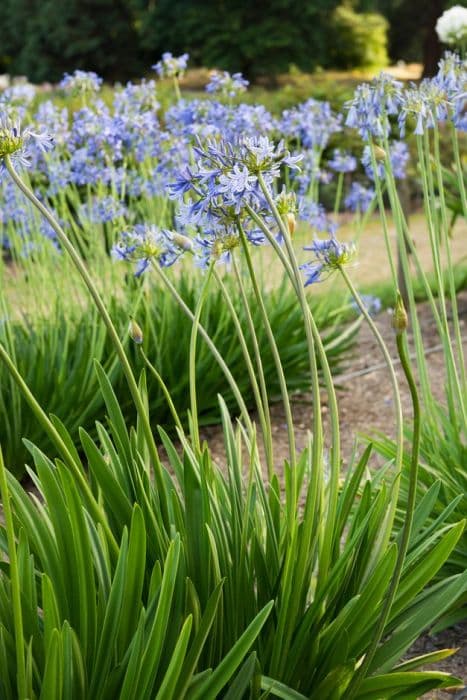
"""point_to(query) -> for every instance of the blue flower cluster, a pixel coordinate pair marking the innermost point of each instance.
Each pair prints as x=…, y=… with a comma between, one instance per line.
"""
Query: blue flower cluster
x=81, y=82
x=202, y=165
x=227, y=84
x=439, y=99
x=329, y=255
x=144, y=244
x=171, y=66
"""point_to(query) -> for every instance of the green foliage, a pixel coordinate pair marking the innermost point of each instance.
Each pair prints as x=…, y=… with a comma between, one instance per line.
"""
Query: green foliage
x=55, y=353
x=44, y=38
x=149, y=613
x=442, y=483
x=360, y=39
x=121, y=40
x=269, y=36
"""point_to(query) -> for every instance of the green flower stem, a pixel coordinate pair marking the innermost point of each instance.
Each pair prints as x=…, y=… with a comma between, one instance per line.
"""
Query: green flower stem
x=312, y=335
x=397, y=405
x=176, y=84
x=294, y=273
x=194, y=424
x=314, y=339
x=382, y=211
x=276, y=357
x=164, y=389
x=408, y=520
x=340, y=185
x=56, y=439
x=403, y=238
x=429, y=203
x=277, y=248
x=15, y=583
x=217, y=356
x=132, y=384
x=459, y=169
x=278, y=656
x=260, y=399
x=447, y=246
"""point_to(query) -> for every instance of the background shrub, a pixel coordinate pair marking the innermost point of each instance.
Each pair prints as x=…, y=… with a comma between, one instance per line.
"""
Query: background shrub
x=360, y=39
x=121, y=40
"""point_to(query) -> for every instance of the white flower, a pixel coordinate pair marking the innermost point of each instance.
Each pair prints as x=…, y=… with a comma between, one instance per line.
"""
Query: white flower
x=451, y=27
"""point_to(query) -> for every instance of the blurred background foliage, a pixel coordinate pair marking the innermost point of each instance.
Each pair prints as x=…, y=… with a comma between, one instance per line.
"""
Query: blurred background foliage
x=120, y=39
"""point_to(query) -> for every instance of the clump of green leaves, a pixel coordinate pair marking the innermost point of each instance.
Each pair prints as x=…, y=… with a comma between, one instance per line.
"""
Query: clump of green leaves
x=55, y=350
x=234, y=602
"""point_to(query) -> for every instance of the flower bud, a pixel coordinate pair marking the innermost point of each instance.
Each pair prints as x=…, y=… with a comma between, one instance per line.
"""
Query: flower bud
x=291, y=223
x=136, y=334
x=182, y=241
x=400, y=320
x=380, y=153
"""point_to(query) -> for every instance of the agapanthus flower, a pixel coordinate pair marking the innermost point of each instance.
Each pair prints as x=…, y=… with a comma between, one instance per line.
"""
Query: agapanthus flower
x=136, y=98
x=227, y=84
x=315, y=214
x=261, y=155
x=414, y=107
x=359, y=197
x=342, y=162
x=225, y=178
x=19, y=94
x=217, y=247
x=452, y=73
x=399, y=156
x=20, y=144
x=102, y=210
x=371, y=303
x=451, y=27
x=372, y=104
x=330, y=254
x=81, y=82
x=144, y=244
x=57, y=120
x=171, y=66
x=311, y=123
x=287, y=207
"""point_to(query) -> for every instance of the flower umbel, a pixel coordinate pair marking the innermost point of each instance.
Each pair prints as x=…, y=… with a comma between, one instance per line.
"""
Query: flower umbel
x=143, y=244
x=81, y=82
x=330, y=255
x=227, y=84
x=20, y=144
x=171, y=66
x=451, y=27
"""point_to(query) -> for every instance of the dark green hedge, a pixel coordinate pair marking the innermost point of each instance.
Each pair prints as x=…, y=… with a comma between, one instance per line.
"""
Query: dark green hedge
x=120, y=39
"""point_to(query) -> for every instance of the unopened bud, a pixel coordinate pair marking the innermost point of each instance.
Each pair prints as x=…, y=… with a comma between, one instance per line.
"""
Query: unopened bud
x=136, y=334
x=291, y=223
x=400, y=320
x=182, y=241
x=380, y=153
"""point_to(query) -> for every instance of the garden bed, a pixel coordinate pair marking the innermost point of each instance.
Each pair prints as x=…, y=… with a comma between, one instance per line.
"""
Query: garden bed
x=366, y=407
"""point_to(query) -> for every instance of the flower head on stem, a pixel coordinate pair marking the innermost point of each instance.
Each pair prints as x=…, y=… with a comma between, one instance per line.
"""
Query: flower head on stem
x=330, y=255
x=21, y=144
